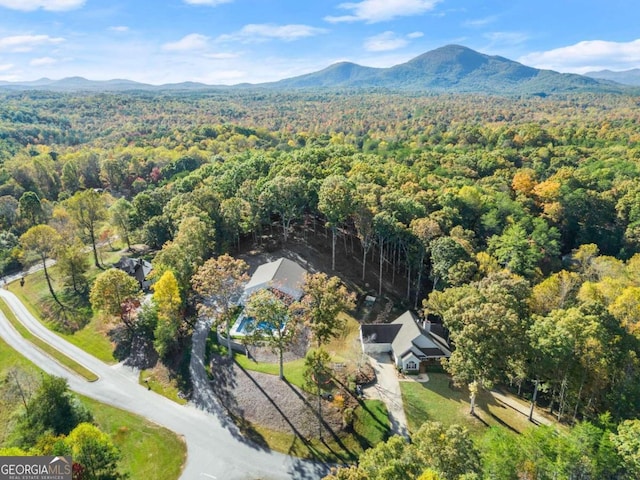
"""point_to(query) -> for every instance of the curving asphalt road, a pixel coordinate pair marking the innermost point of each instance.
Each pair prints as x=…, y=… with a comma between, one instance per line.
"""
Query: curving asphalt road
x=215, y=451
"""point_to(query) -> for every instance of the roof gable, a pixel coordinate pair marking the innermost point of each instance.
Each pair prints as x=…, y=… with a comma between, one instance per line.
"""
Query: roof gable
x=283, y=274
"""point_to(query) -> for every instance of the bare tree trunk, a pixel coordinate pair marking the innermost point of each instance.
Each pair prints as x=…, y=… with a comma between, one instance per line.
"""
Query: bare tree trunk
x=333, y=248
x=381, y=259
x=364, y=262
x=419, y=285
x=48, y=278
x=408, y=282
x=227, y=326
x=533, y=399
x=563, y=388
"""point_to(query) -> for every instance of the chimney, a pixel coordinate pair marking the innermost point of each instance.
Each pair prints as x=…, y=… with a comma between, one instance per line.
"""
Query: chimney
x=426, y=326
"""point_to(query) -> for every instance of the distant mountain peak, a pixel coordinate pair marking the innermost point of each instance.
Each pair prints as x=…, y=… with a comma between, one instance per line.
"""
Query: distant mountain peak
x=450, y=68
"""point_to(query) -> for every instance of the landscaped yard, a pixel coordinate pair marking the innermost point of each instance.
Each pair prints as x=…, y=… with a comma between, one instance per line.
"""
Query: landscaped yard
x=281, y=416
x=436, y=401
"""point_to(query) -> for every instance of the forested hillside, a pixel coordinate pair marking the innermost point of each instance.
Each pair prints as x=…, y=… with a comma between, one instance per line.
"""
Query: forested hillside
x=516, y=220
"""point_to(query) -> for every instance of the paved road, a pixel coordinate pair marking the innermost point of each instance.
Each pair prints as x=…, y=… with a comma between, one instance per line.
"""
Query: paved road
x=214, y=451
x=387, y=389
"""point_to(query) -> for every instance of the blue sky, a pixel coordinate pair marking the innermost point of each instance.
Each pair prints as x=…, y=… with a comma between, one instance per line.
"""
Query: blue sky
x=234, y=41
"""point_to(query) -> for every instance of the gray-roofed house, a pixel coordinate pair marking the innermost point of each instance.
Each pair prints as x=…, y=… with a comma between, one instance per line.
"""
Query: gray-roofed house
x=138, y=268
x=411, y=344
x=283, y=275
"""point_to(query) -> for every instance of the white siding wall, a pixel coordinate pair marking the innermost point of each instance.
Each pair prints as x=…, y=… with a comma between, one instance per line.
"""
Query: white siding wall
x=376, y=347
x=410, y=358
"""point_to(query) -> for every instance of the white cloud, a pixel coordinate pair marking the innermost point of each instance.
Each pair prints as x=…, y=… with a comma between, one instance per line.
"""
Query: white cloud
x=586, y=56
x=384, y=42
x=26, y=43
x=372, y=11
x=5, y=67
x=211, y=3
x=267, y=31
x=51, y=5
x=42, y=61
x=415, y=35
x=193, y=41
x=221, y=55
x=506, y=38
x=480, y=22
x=119, y=28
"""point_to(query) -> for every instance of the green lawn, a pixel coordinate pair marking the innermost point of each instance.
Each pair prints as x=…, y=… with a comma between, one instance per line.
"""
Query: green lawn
x=35, y=293
x=162, y=386
x=148, y=451
x=292, y=370
x=343, y=349
x=435, y=401
x=45, y=347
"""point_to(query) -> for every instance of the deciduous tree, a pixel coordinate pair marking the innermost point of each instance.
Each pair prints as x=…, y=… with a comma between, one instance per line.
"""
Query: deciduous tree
x=324, y=299
x=271, y=322
x=219, y=282
x=111, y=290
x=42, y=240
x=87, y=208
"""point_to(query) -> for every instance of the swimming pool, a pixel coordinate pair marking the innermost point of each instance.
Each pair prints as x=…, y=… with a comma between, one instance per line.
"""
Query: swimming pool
x=243, y=323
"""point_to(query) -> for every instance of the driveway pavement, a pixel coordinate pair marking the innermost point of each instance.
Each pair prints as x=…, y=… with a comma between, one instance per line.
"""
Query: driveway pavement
x=214, y=451
x=387, y=389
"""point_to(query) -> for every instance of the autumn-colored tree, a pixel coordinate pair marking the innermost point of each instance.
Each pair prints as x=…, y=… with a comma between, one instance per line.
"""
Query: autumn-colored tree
x=42, y=240
x=324, y=299
x=219, y=282
x=95, y=451
x=87, y=208
x=166, y=296
x=110, y=290
x=271, y=322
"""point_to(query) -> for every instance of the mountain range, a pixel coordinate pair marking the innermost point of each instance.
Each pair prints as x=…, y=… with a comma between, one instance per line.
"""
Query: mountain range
x=626, y=77
x=452, y=68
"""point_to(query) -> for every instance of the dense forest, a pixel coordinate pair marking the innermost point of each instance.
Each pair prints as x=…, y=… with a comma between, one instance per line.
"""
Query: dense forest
x=513, y=220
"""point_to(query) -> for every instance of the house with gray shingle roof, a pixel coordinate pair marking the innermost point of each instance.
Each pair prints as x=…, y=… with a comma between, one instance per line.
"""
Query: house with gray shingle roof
x=283, y=275
x=413, y=345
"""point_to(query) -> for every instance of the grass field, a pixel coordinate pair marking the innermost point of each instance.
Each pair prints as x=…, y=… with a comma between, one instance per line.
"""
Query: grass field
x=45, y=347
x=157, y=379
x=436, y=401
x=148, y=451
x=35, y=293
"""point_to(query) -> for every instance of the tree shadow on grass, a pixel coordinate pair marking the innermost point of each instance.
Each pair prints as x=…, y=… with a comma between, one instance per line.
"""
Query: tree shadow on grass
x=348, y=453
x=216, y=397
x=362, y=404
x=322, y=461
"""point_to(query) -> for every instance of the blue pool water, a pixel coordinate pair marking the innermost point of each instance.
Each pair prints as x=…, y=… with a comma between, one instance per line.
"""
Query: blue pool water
x=246, y=321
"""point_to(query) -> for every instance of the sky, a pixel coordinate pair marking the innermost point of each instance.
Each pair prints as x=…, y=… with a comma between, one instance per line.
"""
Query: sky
x=237, y=41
